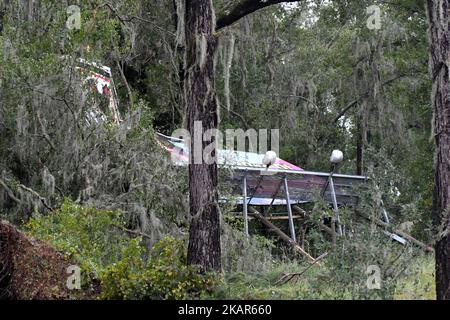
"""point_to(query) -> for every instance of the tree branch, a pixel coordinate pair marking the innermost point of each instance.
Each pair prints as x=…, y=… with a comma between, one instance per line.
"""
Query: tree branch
x=21, y=186
x=9, y=192
x=355, y=102
x=235, y=11
x=127, y=86
x=44, y=132
x=246, y=126
x=133, y=232
x=42, y=199
x=348, y=107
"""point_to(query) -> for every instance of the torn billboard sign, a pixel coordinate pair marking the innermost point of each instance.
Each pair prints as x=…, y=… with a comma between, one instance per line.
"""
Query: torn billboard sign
x=97, y=80
x=265, y=185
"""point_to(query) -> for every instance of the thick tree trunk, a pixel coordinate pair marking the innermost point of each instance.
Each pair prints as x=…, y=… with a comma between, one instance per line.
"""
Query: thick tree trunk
x=439, y=35
x=204, y=233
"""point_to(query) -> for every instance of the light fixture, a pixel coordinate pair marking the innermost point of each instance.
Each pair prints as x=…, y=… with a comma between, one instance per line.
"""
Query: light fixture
x=269, y=158
x=336, y=157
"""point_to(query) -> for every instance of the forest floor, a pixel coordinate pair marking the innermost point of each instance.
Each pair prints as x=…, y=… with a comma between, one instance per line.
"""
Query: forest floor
x=31, y=269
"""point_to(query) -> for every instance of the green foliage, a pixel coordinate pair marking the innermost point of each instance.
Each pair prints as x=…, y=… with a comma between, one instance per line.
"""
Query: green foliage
x=165, y=275
x=293, y=69
x=95, y=240
x=91, y=236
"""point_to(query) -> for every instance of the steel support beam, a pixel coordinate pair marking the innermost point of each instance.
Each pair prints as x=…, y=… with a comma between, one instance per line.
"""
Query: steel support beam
x=335, y=205
x=244, y=205
x=288, y=203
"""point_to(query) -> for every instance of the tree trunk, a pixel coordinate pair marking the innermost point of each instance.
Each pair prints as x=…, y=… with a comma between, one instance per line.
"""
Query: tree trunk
x=359, y=146
x=204, y=232
x=439, y=35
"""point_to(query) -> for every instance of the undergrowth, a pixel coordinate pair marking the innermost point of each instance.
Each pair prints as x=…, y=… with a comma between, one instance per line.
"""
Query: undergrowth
x=98, y=241
x=416, y=284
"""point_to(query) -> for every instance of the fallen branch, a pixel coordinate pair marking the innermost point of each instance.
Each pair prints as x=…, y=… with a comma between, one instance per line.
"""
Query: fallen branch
x=405, y=235
x=286, y=277
x=21, y=186
x=9, y=192
x=280, y=233
x=37, y=195
x=320, y=223
x=134, y=232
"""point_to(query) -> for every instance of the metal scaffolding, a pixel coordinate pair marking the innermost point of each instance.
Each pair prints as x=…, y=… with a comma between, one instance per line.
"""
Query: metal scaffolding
x=282, y=181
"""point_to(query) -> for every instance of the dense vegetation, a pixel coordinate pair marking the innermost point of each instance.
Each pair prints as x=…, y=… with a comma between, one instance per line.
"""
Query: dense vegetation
x=107, y=196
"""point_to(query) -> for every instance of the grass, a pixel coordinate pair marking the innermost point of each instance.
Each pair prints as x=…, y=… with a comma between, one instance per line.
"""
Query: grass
x=257, y=286
x=416, y=284
x=419, y=285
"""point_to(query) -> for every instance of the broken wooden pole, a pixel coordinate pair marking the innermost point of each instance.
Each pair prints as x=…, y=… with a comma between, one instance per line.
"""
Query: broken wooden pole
x=408, y=237
x=320, y=223
x=280, y=233
x=289, y=276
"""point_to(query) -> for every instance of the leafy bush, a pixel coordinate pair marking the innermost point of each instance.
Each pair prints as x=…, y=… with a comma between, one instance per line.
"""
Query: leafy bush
x=126, y=270
x=165, y=275
x=91, y=236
